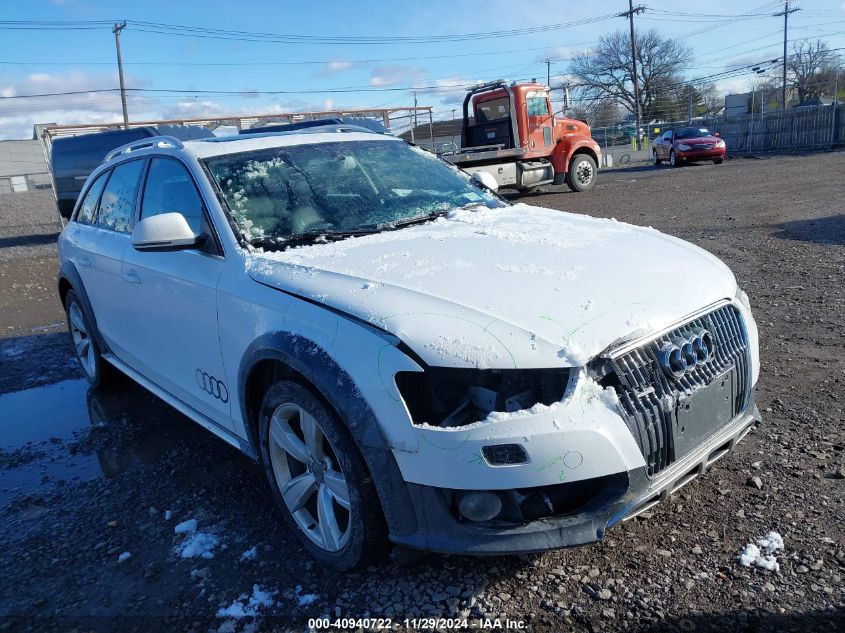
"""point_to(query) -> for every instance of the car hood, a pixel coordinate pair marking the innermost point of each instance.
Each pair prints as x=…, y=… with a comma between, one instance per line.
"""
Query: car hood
x=699, y=140
x=519, y=286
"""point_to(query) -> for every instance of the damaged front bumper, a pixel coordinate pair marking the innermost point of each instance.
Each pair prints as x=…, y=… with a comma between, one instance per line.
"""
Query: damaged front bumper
x=621, y=497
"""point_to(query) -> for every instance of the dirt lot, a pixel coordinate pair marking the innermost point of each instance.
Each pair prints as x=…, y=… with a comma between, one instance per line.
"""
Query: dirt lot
x=86, y=478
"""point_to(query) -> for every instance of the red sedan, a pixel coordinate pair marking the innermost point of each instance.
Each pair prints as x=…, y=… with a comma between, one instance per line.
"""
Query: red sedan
x=688, y=145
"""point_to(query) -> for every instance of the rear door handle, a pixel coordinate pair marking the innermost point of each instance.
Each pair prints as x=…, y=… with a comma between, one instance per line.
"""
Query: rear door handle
x=85, y=261
x=131, y=277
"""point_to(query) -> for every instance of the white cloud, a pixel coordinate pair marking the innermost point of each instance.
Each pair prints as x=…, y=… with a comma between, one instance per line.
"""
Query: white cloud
x=339, y=65
x=392, y=75
x=17, y=116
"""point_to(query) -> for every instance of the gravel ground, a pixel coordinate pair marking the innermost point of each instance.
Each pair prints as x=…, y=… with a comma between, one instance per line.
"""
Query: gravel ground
x=89, y=478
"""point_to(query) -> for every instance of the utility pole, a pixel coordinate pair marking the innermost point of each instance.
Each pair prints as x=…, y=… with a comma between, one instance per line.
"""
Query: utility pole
x=414, y=124
x=785, y=13
x=632, y=10
x=118, y=27
x=549, y=72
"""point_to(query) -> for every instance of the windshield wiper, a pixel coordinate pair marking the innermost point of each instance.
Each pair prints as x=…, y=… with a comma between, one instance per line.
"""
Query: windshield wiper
x=316, y=236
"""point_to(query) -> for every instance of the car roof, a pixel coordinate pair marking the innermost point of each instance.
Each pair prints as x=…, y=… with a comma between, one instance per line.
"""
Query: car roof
x=205, y=148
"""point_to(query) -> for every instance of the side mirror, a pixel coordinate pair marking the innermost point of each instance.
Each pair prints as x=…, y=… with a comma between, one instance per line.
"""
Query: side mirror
x=486, y=180
x=716, y=134
x=164, y=232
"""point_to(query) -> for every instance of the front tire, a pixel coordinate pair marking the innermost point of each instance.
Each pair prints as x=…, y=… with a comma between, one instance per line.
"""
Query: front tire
x=718, y=161
x=97, y=370
x=673, y=159
x=582, y=173
x=319, y=479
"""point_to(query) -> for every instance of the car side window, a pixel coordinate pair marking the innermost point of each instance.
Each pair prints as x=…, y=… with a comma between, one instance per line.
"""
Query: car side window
x=169, y=188
x=88, y=208
x=667, y=136
x=118, y=201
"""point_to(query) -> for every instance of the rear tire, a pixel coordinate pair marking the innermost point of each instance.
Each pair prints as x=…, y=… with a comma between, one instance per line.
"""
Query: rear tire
x=329, y=500
x=582, y=173
x=654, y=159
x=97, y=370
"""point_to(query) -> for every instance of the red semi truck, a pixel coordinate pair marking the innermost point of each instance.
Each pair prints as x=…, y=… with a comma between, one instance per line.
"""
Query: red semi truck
x=513, y=134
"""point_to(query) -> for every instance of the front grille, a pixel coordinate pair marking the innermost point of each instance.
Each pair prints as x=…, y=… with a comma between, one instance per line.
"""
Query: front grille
x=649, y=395
x=703, y=146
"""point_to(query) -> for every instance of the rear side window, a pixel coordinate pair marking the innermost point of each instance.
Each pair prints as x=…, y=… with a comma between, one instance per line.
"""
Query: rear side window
x=118, y=199
x=170, y=188
x=492, y=110
x=88, y=208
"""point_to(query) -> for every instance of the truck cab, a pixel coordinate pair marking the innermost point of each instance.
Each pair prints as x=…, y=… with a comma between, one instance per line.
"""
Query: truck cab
x=510, y=131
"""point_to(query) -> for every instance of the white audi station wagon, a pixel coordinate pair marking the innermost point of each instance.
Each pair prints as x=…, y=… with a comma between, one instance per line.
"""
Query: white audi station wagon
x=411, y=358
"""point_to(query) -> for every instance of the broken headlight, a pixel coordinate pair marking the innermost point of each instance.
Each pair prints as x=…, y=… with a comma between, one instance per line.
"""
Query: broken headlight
x=449, y=397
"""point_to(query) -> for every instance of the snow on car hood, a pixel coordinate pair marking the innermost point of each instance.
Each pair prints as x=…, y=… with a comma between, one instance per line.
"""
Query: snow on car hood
x=519, y=286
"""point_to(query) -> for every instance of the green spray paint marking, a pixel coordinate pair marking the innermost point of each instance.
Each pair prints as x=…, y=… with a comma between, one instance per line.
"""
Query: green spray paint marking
x=477, y=458
x=444, y=448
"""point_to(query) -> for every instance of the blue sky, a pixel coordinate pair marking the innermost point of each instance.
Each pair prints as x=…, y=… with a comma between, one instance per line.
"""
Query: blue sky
x=36, y=61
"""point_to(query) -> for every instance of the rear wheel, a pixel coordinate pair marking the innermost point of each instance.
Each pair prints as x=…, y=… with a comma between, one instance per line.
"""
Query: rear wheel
x=319, y=478
x=654, y=159
x=582, y=173
x=96, y=369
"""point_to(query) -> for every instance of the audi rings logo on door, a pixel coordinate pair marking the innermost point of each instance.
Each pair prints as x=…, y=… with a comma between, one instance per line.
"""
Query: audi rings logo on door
x=682, y=355
x=212, y=386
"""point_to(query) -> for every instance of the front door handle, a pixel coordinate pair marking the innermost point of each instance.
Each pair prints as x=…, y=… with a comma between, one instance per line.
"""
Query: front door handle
x=131, y=277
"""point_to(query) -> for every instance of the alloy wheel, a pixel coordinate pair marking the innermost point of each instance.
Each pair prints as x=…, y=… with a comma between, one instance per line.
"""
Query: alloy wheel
x=82, y=342
x=309, y=477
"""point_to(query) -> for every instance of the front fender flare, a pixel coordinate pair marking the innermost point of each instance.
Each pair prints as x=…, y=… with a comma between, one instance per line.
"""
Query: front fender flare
x=337, y=387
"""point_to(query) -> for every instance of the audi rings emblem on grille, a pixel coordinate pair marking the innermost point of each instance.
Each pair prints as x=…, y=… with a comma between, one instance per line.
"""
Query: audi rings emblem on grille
x=212, y=386
x=683, y=354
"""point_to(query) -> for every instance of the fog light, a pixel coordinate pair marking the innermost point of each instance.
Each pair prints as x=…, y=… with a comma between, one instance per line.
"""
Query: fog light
x=479, y=506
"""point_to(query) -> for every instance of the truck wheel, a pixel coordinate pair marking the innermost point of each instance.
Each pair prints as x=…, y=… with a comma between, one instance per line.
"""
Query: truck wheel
x=582, y=173
x=319, y=479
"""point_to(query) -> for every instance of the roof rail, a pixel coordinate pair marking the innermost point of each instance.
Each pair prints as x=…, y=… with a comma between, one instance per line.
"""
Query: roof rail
x=152, y=141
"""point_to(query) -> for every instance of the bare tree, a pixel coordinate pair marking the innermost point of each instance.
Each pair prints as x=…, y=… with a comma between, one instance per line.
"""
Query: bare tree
x=813, y=68
x=605, y=72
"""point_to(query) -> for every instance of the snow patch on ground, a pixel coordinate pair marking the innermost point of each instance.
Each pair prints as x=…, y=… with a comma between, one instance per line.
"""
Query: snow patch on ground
x=186, y=526
x=761, y=553
x=250, y=554
x=196, y=543
x=248, y=606
x=304, y=599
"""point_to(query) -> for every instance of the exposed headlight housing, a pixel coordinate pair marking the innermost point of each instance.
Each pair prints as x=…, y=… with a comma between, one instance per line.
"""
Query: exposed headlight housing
x=450, y=397
x=684, y=147
x=720, y=143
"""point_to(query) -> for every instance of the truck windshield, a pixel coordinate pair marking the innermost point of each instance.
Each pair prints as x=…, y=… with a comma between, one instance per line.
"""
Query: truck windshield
x=285, y=195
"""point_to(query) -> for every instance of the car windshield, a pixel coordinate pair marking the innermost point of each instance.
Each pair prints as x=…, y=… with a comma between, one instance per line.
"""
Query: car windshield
x=692, y=132
x=286, y=195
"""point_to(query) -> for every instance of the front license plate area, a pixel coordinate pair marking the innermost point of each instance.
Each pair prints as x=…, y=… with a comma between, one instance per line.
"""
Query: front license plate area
x=703, y=413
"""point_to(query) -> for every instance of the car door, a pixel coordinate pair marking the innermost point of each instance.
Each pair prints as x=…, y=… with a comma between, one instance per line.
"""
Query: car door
x=667, y=143
x=102, y=244
x=170, y=299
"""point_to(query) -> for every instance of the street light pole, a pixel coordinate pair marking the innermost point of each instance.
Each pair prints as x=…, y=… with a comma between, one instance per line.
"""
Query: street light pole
x=118, y=27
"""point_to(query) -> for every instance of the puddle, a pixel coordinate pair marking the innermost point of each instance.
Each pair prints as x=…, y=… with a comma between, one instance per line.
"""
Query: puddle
x=64, y=432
